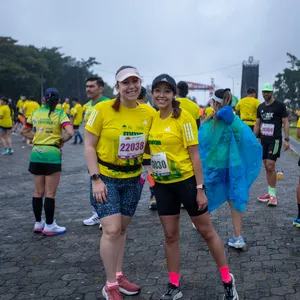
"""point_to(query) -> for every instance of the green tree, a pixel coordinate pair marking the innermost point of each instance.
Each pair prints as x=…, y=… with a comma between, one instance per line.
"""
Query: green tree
x=287, y=84
x=29, y=70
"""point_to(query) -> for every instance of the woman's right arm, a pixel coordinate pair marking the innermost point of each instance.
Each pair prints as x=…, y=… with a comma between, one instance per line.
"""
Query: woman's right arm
x=69, y=133
x=90, y=145
x=27, y=132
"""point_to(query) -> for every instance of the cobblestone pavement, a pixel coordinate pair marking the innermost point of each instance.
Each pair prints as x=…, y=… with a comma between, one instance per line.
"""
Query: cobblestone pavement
x=68, y=266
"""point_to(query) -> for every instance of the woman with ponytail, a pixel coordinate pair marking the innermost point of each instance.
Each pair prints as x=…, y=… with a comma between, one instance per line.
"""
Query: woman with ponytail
x=115, y=138
x=177, y=171
x=231, y=158
x=45, y=127
x=6, y=116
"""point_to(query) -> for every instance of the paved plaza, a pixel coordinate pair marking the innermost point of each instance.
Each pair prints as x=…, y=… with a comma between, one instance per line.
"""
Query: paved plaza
x=33, y=266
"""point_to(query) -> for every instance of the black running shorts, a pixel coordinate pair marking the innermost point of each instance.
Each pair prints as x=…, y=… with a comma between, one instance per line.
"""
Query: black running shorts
x=43, y=168
x=170, y=196
x=271, y=148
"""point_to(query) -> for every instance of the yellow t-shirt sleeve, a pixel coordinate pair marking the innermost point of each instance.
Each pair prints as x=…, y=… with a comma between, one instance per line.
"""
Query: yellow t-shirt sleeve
x=197, y=113
x=298, y=123
x=29, y=120
x=1, y=112
x=64, y=119
x=95, y=122
x=237, y=107
x=189, y=131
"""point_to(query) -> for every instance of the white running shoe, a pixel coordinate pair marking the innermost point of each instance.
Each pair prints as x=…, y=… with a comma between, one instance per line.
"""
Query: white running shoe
x=39, y=226
x=53, y=229
x=93, y=220
x=100, y=226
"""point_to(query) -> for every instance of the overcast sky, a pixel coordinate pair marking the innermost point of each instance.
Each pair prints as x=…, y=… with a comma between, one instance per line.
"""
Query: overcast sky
x=184, y=38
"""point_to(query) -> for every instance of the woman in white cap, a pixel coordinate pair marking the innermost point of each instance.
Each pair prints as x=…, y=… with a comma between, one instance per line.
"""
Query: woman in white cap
x=115, y=139
x=231, y=158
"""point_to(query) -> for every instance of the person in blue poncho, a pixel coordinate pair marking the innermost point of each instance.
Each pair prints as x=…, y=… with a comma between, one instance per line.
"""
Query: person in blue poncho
x=231, y=157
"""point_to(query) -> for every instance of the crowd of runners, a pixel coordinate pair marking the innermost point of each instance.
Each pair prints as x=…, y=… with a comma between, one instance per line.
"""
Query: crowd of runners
x=192, y=158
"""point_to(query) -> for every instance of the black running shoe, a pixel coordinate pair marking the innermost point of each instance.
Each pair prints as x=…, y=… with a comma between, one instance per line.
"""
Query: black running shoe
x=230, y=290
x=173, y=292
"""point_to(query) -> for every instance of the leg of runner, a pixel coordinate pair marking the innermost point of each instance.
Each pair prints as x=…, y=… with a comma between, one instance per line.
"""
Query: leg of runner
x=9, y=142
x=214, y=243
x=94, y=219
x=37, y=202
x=271, y=179
x=171, y=230
x=3, y=142
x=237, y=240
x=51, y=183
x=296, y=221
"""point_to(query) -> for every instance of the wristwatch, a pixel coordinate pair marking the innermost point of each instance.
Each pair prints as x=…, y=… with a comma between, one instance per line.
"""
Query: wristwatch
x=95, y=177
x=200, y=187
x=287, y=139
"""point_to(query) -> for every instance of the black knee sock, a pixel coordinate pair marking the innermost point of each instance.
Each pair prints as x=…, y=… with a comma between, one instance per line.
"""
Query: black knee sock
x=49, y=207
x=151, y=192
x=298, y=211
x=37, y=206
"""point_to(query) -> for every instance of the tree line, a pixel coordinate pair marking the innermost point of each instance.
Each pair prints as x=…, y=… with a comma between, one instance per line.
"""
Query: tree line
x=287, y=83
x=29, y=70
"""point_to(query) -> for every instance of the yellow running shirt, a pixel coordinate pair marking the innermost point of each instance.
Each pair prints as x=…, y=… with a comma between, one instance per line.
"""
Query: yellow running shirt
x=66, y=107
x=20, y=105
x=248, y=110
x=209, y=111
x=122, y=136
x=78, y=113
x=59, y=106
x=168, y=141
x=5, y=113
x=190, y=107
x=29, y=107
x=72, y=112
x=152, y=111
x=89, y=107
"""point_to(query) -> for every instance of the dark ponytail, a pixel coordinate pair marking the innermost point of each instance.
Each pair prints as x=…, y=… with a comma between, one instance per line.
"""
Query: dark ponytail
x=51, y=102
x=176, y=108
x=117, y=103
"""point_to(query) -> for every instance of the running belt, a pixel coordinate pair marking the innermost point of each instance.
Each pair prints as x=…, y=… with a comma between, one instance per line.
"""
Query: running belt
x=119, y=168
x=56, y=146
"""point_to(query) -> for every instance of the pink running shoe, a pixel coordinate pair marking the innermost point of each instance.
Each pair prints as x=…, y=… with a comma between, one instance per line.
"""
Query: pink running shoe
x=264, y=198
x=127, y=287
x=272, y=201
x=112, y=293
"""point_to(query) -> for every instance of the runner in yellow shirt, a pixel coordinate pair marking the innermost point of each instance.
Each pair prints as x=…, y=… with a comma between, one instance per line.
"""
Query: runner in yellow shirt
x=19, y=116
x=177, y=170
x=115, y=138
x=186, y=103
x=66, y=106
x=248, y=108
x=29, y=107
x=208, y=111
x=6, y=115
x=77, y=120
x=45, y=127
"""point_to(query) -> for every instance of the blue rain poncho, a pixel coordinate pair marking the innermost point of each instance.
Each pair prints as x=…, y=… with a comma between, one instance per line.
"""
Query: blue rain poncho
x=231, y=158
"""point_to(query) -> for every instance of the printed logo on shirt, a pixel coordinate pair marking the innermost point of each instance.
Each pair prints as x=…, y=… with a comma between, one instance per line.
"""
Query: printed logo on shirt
x=188, y=131
x=92, y=117
x=145, y=122
x=168, y=129
x=267, y=116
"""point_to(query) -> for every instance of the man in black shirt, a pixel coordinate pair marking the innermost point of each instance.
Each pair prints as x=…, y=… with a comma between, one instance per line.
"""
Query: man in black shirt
x=271, y=114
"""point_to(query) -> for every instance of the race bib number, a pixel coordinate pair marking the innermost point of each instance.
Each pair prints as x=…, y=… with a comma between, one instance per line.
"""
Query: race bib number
x=131, y=146
x=159, y=164
x=267, y=129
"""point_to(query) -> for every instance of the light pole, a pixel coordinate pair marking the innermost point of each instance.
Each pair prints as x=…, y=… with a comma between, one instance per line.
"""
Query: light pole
x=232, y=83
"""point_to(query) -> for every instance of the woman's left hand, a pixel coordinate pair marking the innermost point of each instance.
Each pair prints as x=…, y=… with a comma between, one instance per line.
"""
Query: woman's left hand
x=201, y=199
